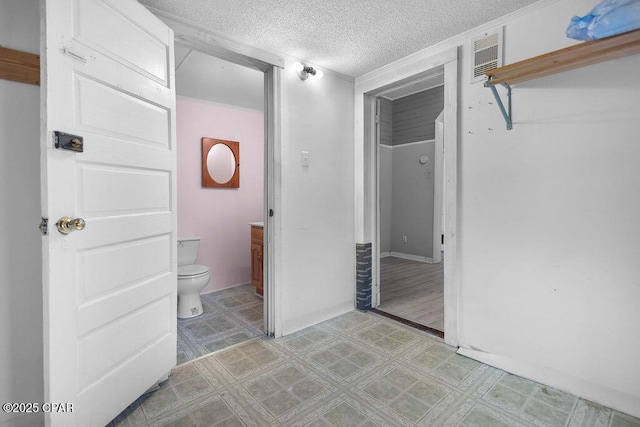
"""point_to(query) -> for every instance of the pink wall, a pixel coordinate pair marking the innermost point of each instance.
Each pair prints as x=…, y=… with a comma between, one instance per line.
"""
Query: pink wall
x=220, y=216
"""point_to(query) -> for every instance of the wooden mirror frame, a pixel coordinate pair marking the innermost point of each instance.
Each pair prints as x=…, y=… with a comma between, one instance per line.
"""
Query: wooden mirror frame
x=207, y=180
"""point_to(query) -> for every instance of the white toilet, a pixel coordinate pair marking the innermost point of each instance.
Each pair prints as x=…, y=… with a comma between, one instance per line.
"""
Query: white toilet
x=192, y=278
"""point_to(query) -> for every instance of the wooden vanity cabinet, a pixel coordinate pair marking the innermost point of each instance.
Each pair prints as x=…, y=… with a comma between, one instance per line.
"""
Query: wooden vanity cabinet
x=257, y=258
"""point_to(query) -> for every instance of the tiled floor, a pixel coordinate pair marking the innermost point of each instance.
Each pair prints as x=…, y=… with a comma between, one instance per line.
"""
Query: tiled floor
x=231, y=316
x=358, y=369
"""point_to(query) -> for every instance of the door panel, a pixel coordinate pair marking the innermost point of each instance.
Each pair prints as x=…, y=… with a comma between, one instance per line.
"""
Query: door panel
x=148, y=55
x=98, y=355
x=95, y=267
x=101, y=190
x=104, y=109
x=110, y=289
x=120, y=228
x=99, y=312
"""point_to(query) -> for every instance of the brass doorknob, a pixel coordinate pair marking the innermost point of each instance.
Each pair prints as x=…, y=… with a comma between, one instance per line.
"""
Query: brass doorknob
x=66, y=224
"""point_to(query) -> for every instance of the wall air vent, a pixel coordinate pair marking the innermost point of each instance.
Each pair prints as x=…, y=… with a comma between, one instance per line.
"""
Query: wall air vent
x=487, y=54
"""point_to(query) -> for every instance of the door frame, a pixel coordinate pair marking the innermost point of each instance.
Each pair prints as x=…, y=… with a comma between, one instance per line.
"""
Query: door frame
x=438, y=178
x=203, y=40
x=368, y=87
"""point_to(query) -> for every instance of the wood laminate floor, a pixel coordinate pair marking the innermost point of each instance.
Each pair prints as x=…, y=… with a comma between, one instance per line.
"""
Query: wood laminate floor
x=413, y=290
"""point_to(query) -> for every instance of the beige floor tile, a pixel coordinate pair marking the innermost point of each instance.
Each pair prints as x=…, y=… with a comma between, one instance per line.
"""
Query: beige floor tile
x=355, y=370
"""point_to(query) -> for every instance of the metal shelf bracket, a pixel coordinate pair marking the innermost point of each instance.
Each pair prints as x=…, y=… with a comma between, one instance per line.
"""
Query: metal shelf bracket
x=505, y=113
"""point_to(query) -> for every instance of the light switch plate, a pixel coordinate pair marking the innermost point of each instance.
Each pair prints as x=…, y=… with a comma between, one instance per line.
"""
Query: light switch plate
x=305, y=158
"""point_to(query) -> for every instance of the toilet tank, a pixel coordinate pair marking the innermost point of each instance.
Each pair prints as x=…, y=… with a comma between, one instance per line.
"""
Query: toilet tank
x=188, y=249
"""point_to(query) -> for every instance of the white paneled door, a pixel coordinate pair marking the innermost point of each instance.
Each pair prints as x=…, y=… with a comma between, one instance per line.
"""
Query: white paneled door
x=109, y=289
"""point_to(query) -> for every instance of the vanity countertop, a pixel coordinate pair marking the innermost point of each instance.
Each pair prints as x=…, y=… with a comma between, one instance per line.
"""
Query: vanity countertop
x=257, y=224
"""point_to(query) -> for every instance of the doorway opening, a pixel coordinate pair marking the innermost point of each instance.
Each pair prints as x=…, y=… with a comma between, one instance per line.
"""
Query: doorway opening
x=224, y=101
x=436, y=221
x=410, y=235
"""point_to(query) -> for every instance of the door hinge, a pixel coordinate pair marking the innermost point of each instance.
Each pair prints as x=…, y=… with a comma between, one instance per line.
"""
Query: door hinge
x=44, y=226
x=270, y=212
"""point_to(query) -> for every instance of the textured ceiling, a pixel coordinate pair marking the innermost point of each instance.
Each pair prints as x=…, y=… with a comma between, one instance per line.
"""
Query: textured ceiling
x=352, y=37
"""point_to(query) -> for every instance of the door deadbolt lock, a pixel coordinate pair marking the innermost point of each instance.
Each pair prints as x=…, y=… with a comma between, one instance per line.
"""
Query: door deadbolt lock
x=66, y=224
x=66, y=141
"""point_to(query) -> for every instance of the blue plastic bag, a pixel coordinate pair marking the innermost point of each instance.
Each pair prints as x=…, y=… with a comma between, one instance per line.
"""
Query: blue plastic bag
x=608, y=18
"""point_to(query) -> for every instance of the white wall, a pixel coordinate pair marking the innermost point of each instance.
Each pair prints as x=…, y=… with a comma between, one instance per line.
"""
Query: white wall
x=317, y=241
x=20, y=253
x=548, y=235
x=549, y=232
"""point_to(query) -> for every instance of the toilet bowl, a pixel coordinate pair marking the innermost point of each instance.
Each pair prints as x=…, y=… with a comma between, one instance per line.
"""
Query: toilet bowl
x=192, y=278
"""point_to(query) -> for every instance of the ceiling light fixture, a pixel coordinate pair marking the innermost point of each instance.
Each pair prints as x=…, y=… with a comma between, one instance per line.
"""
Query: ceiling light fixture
x=306, y=71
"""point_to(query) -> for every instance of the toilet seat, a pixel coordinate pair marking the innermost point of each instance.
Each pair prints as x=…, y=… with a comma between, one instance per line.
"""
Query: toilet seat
x=192, y=271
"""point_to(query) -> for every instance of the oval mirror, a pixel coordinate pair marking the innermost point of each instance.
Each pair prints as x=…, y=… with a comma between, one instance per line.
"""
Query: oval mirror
x=221, y=163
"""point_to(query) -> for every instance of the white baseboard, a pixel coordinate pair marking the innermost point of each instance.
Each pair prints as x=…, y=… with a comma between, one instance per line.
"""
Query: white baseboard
x=603, y=395
x=293, y=325
x=224, y=289
x=385, y=254
x=412, y=257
